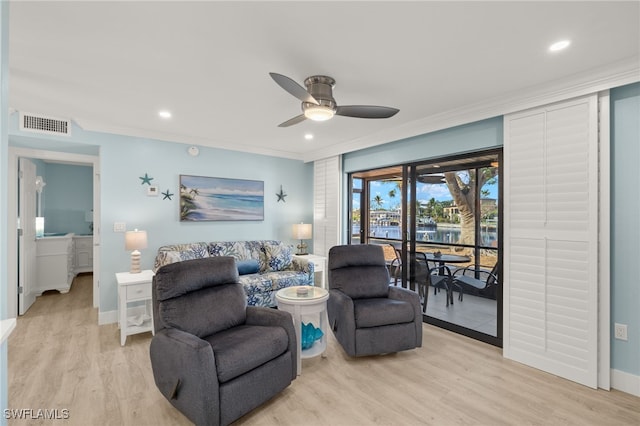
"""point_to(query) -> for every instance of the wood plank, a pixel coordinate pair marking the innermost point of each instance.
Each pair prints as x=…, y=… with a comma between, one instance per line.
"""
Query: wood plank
x=60, y=358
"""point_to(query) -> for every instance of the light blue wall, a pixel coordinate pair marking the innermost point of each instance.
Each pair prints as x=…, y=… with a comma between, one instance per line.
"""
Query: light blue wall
x=4, y=114
x=467, y=138
x=123, y=160
x=625, y=225
x=67, y=198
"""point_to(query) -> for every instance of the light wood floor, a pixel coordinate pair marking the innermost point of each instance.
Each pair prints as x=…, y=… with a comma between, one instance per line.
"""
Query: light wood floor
x=59, y=358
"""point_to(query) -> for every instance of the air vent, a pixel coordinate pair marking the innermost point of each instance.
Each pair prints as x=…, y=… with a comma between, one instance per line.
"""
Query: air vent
x=46, y=125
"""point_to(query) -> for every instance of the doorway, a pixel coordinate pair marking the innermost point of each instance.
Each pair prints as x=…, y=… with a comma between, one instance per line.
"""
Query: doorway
x=15, y=226
x=444, y=215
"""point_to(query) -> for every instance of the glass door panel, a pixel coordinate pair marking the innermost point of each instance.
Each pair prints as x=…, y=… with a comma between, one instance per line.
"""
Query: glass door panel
x=356, y=212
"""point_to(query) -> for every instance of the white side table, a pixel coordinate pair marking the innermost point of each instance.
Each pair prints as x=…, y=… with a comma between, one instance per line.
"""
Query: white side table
x=134, y=288
x=310, y=308
x=319, y=266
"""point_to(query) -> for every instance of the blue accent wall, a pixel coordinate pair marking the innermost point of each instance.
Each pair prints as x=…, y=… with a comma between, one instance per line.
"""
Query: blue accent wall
x=67, y=198
x=625, y=225
x=466, y=138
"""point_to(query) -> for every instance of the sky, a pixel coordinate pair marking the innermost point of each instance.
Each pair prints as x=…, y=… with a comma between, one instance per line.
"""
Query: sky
x=425, y=192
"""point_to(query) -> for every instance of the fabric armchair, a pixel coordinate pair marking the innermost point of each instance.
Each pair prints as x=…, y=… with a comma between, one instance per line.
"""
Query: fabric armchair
x=366, y=315
x=213, y=357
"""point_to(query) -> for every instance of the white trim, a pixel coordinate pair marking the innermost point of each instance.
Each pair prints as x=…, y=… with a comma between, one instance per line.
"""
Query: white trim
x=625, y=382
x=327, y=214
x=109, y=317
x=12, y=216
x=95, y=126
x=618, y=74
x=6, y=327
x=604, y=243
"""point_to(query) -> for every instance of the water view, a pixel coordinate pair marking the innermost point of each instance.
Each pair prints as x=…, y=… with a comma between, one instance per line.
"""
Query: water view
x=446, y=234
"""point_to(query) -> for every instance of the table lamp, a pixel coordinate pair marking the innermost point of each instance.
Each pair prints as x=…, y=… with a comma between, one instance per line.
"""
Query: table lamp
x=134, y=241
x=302, y=231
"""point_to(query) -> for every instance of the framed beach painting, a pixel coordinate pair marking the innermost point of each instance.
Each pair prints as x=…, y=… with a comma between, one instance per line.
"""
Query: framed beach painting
x=220, y=199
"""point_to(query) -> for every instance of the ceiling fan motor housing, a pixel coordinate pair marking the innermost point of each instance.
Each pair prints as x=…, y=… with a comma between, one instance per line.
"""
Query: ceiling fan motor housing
x=321, y=88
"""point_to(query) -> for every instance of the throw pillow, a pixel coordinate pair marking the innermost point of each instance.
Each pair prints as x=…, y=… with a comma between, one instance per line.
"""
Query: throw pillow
x=277, y=256
x=249, y=266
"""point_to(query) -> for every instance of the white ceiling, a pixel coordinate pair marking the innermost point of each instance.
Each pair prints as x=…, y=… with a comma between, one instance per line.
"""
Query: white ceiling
x=111, y=66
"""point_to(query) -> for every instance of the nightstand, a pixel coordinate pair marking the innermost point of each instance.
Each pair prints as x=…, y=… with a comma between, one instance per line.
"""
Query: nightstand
x=134, y=288
x=319, y=267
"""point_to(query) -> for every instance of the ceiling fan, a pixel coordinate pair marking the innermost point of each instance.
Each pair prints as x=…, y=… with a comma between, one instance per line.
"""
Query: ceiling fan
x=318, y=103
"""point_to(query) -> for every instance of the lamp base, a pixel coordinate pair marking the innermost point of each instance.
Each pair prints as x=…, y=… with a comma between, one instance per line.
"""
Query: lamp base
x=302, y=249
x=135, y=262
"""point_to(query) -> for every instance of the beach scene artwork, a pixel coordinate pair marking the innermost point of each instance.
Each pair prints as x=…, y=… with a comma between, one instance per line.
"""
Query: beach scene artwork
x=220, y=199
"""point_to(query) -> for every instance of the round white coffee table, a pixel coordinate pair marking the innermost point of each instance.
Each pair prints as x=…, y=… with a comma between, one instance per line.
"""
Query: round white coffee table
x=311, y=307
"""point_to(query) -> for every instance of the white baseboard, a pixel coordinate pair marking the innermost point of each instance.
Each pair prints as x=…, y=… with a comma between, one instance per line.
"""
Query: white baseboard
x=109, y=317
x=625, y=382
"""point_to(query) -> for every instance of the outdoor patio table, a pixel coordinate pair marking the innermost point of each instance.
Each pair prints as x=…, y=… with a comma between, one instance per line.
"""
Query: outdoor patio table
x=447, y=258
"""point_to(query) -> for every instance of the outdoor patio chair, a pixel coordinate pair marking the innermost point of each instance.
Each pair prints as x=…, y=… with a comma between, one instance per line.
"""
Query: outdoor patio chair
x=478, y=281
x=393, y=260
x=432, y=274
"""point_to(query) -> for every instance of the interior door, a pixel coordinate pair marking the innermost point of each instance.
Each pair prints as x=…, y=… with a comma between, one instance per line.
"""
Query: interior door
x=26, y=235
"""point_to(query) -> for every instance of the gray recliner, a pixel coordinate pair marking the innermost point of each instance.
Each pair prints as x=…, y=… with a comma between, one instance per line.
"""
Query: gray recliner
x=367, y=316
x=213, y=357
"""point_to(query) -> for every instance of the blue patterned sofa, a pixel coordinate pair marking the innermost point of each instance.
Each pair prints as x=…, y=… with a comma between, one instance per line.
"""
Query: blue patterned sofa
x=265, y=266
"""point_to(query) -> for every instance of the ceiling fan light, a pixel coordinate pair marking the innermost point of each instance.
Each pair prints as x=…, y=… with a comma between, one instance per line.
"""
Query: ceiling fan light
x=318, y=113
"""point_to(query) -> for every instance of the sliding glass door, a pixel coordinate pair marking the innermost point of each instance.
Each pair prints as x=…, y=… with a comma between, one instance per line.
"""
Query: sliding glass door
x=443, y=215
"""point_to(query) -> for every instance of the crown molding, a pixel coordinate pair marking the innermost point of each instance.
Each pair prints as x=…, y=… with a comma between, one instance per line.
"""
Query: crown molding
x=614, y=75
x=96, y=126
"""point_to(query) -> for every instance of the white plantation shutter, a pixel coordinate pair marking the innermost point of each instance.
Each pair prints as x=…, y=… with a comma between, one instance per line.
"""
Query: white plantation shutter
x=326, y=204
x=551, y=239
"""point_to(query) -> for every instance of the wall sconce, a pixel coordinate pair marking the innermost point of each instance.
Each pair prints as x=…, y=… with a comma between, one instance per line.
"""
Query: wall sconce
x=134, y=241
x=302, y=231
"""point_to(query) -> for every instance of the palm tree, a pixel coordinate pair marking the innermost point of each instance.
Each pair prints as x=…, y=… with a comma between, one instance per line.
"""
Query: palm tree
x=378, y=202
x=462, y=188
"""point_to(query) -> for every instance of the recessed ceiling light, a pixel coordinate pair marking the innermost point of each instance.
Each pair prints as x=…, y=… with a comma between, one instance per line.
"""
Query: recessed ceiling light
x=559, y=45
x=308, y=136
x=164, y=114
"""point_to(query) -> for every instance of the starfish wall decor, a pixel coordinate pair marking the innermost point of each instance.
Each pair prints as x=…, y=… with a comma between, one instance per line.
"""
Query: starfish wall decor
x=281, y=195
x=146, y=179
x=167, y=195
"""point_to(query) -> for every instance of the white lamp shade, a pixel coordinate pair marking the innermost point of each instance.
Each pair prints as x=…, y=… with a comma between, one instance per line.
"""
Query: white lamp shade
x=135, y=240
x=302, y=231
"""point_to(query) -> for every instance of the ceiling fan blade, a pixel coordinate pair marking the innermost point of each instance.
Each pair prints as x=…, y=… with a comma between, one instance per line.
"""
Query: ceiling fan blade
x=295, y=120
x=366, y=111
x=432, y=179
x=294, y=88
